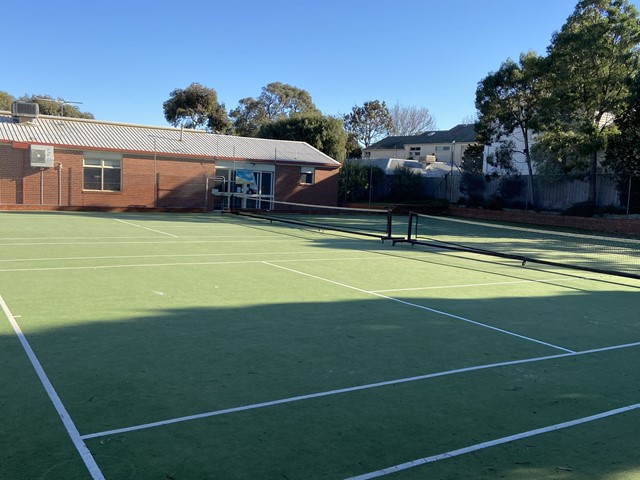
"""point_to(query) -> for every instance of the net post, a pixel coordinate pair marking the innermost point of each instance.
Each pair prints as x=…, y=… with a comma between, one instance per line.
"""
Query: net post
x=410, y=225
x=389, y=224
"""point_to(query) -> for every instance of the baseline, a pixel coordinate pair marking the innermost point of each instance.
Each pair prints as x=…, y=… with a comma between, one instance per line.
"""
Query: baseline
x=73, y=432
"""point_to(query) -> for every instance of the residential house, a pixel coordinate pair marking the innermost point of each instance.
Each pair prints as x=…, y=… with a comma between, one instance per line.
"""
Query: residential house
x=446, y=146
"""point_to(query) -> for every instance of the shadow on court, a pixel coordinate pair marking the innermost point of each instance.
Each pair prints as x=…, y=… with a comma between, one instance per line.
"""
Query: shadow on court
x=126, y=369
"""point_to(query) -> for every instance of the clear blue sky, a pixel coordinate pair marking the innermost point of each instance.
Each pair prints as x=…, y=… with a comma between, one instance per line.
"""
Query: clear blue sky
x=122, y=59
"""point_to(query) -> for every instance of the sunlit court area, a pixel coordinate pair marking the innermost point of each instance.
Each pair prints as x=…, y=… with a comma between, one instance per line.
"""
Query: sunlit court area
x=224, y=346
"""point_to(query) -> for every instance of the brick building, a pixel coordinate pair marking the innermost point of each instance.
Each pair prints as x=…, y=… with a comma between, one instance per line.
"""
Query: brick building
x=59, y=162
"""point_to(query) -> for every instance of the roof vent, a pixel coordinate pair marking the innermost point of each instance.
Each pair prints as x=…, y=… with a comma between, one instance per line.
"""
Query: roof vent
x=25, y=109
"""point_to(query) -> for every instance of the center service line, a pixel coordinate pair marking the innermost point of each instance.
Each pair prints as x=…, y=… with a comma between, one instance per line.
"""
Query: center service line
x=422, y=307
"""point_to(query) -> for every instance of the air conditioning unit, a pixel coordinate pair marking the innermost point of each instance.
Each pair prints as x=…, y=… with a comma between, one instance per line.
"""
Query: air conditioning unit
x=41, y=156
x=25, y=109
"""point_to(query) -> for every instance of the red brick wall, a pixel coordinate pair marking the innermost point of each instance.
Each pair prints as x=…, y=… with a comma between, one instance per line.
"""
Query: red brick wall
x=324, y=190
x=181, y=183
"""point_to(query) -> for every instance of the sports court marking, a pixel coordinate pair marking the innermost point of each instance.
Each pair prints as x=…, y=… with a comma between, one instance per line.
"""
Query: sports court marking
x=339, y=391
x=488, y=284
x=108, y=241
x=82, y=449
x=145, y=228
x=492, y=443
x=422, y=307
x=176, y=264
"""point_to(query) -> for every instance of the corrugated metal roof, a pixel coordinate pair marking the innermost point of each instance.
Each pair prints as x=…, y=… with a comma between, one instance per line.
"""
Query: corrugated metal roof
x=98, y=135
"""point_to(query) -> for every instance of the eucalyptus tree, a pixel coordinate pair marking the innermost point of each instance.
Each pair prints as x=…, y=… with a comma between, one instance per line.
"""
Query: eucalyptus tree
x=369, y=122
x=196, y=107
x=592, y=60
x=508, y=102
x=277, y=100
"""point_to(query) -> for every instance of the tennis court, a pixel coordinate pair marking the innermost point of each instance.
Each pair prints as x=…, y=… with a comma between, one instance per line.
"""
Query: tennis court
x=181, y=347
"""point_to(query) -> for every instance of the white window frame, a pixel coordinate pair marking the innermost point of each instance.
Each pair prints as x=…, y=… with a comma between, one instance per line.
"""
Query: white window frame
x=96, y=161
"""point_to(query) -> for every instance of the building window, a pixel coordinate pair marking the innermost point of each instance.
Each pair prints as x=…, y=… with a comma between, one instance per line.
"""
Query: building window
x=306, y=175
x=443, y=149
x=414, y=152
x=102, y=174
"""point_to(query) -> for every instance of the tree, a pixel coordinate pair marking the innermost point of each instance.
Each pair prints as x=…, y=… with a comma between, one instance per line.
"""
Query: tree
x=277, y=100
x=369, y=122
x=324, y=133
x=196, y=107
x=623, y=152
x=472, y=182
x=411, y=120
x=356, y=179
x=592, y=60
x=508, y=101
x=5, y=100
x=47, y=105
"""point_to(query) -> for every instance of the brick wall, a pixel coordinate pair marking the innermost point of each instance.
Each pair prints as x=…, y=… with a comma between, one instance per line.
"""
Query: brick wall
x=609, y=225
x=324, y=190
x=181, y=183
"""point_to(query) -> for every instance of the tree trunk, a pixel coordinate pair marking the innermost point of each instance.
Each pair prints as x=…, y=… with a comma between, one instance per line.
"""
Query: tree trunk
x=593, y=177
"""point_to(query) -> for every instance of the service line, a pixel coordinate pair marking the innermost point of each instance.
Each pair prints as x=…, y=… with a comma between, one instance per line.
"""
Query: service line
x=298, y=398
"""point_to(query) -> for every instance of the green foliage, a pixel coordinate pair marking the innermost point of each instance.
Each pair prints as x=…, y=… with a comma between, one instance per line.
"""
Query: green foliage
x=277, y=100
x=47, y=105
x=502, y=159
x=196, y=107
x=370, y=121
x=554, y=160
x=511, y=186
x=591, y=60
x=623, y=153
x=5, y=101
x=355, y=179
x=406, y=184
x=472, y=183
x=324, y=133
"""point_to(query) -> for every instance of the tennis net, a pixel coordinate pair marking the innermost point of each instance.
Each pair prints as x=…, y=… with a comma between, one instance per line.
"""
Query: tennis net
x=596, y=253
x=372, y=222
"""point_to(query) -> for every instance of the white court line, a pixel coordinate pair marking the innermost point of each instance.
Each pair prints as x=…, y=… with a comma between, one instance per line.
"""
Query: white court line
x=165, y=242
x=146, y=228
x=170, y=255
x=181, y=264
x=422, y=307
x=82, y=449
x=440, y=287
x=493, y=443
x=368, y=386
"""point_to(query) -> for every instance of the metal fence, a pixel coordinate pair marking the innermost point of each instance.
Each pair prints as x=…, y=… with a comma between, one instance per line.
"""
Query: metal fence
x=545, y=193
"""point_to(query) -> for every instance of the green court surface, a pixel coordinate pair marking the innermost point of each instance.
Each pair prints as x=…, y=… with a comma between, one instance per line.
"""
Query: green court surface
x=192, y=347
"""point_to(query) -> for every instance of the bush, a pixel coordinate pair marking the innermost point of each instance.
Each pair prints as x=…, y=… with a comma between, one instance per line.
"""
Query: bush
x=584, y=209
x=494, y=202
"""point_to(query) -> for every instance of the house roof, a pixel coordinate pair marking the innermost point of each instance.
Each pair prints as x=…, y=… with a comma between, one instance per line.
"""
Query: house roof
x=65, y=132
x=462, y=133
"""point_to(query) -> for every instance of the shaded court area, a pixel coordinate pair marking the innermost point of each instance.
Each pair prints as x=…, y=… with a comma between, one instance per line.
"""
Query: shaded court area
x=139, y=346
